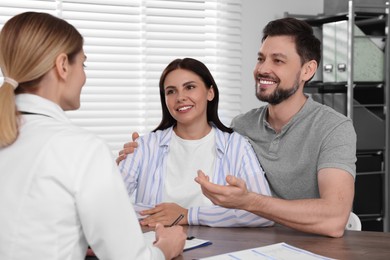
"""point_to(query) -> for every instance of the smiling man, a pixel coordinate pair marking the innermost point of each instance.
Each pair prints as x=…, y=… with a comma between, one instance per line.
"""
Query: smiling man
x=307, y=150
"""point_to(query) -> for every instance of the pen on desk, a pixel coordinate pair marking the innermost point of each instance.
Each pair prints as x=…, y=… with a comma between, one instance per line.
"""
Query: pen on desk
x=177, y=220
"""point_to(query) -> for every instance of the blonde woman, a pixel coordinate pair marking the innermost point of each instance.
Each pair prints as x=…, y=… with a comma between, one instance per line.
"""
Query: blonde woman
x=60, y=190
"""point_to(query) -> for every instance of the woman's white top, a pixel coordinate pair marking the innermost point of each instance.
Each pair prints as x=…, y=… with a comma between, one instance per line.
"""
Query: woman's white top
x=60, y=190
x=145, y=171
x=185, y=158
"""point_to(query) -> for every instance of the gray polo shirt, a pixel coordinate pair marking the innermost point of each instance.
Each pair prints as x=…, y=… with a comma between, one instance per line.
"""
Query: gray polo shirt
x=316, y=137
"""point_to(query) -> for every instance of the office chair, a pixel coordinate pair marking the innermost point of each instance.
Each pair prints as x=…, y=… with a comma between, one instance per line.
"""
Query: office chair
x=353, y=223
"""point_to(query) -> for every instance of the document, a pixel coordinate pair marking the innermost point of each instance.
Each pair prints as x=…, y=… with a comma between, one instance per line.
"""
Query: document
x=192, y=243
x=280, y=251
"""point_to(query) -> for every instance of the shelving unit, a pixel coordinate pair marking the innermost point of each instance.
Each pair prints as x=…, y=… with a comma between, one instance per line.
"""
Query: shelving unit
x=354, y=79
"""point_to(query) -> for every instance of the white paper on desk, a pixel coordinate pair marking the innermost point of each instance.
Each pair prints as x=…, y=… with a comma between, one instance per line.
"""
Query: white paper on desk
x=280, y=251
x=150, y=237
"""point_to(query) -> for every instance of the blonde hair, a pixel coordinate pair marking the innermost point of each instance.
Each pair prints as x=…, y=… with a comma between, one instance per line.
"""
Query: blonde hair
x=29, y=44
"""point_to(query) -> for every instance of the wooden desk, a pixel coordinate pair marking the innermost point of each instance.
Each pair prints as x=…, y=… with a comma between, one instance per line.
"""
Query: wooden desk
x=354, y=244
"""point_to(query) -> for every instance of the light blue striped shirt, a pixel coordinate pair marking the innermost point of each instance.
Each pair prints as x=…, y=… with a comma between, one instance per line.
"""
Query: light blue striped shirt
x=143, y=173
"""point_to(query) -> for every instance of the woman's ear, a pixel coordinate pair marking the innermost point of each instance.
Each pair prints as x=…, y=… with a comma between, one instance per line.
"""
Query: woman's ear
x=62, y=65
x=210, y=94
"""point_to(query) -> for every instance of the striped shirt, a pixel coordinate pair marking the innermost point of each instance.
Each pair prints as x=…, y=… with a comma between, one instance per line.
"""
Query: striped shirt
x=143, y=173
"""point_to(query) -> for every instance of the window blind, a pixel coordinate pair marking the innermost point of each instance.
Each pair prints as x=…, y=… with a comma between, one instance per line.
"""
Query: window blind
x=129, y=43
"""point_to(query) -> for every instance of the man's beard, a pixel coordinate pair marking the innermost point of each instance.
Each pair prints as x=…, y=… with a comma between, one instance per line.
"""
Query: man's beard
x=278, y=95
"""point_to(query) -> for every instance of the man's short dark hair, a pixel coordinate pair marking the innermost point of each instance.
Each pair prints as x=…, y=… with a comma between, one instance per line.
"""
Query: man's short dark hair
x=307, y=45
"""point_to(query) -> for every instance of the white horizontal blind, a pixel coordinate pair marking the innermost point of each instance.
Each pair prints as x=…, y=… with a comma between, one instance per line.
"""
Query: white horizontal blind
x=129, y=43
x=9, y=8
x=112, y=101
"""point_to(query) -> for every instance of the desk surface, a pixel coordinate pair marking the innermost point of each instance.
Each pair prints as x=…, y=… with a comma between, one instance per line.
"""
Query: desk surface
x=354, y=244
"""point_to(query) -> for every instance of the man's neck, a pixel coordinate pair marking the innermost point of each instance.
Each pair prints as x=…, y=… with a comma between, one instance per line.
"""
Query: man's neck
x=279, y=115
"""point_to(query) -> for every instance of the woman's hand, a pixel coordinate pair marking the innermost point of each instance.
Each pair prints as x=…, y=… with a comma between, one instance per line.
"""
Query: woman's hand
x=170, y=240
x=164, y=213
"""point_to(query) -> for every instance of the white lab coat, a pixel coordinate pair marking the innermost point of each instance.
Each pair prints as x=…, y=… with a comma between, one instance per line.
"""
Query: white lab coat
x=60, y=190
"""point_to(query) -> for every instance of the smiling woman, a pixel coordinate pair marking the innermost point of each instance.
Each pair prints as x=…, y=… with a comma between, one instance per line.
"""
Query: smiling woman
x=186, y=97
x=190, y=137
x=128, y=44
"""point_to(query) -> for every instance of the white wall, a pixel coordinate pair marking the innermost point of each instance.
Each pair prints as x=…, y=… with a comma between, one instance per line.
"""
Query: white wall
x=256, y=14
